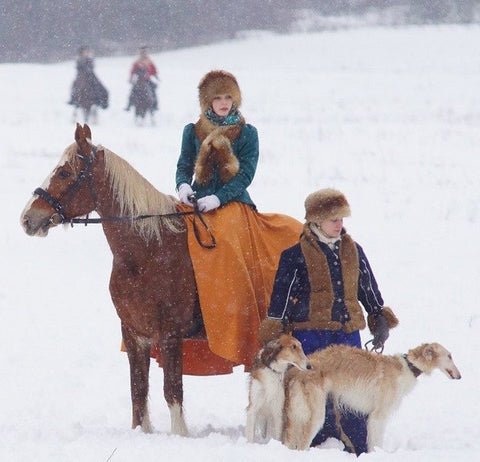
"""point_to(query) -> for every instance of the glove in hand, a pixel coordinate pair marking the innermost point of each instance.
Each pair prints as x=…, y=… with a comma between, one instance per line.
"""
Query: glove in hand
x=208, y=203
x=184, y=192
x=381, y=332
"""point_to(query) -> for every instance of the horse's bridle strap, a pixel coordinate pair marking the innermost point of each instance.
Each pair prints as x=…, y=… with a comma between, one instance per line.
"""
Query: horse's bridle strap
x=49, y=199
x=70, y=192
x=86, y=173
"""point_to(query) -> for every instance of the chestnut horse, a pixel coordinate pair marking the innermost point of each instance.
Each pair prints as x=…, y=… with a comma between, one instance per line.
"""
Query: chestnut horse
x=152, y=283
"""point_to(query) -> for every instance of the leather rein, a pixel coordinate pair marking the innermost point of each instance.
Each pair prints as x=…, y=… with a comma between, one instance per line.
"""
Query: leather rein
x=62, y=202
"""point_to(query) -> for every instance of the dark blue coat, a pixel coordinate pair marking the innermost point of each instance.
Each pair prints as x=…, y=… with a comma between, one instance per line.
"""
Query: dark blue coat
x=291, y=291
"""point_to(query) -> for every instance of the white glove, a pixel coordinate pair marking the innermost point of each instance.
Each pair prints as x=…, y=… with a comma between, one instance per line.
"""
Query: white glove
x=207, y=203
x=184, y=192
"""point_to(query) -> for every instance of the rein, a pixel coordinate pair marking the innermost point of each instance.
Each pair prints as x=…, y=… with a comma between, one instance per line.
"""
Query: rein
x=378, y=349
x=86, y=173
x=196, y=214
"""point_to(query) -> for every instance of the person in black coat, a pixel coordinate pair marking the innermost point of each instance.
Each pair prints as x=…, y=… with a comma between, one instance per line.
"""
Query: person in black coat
x=84, y=65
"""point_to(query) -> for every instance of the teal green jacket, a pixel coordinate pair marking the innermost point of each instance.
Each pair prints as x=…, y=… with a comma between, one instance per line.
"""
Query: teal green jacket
x=245, y=148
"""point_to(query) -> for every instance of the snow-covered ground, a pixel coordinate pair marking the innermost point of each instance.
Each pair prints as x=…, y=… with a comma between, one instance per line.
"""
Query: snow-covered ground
x=389, y=116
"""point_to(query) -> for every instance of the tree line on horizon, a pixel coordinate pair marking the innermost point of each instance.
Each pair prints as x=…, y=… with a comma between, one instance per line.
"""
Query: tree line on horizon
x=53, y=30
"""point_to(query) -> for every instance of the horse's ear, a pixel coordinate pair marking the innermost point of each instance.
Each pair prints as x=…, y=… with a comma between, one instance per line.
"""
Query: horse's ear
x=78, y=133
x=88, y=132
x=81, y=137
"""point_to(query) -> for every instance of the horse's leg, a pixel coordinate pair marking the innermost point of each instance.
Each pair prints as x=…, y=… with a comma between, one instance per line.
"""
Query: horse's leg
x=94, y=114
x=74, y=114
x=138, y=350
x=171, y=347
x=86, y=114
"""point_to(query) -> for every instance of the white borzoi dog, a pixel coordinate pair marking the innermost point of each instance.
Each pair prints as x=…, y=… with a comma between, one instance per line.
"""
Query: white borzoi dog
x=363, y=381
x=266, y=389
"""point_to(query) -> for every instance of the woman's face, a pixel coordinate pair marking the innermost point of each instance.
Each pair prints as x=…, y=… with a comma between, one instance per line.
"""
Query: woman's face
x=331, y=227
x=222, y=104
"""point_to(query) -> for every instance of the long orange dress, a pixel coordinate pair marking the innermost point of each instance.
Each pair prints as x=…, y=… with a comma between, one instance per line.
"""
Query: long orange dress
x=234, y=283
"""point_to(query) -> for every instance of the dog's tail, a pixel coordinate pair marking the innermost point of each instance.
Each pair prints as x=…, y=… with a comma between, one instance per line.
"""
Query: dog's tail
x=343, y=436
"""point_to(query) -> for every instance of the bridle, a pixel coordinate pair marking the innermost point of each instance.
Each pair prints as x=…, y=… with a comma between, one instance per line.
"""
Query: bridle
x=61, y=203
x=64, y=200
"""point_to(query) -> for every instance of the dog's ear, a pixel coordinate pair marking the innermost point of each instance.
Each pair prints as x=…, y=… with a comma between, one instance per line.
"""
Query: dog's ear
x=270, y=351
x=429, y=352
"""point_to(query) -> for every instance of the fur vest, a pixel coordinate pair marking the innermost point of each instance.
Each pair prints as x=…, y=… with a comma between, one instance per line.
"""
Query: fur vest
x=216, y=150
x=321, y=290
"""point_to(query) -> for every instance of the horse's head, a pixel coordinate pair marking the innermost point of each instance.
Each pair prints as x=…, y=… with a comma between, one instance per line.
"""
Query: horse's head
x=68, y=190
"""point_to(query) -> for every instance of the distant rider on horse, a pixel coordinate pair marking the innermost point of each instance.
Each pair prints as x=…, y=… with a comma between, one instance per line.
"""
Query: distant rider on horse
x=143, y=66
x=84, y=66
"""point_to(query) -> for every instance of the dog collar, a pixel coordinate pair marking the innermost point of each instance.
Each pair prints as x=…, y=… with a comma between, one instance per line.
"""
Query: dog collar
x=273, y=370
x=415, y=370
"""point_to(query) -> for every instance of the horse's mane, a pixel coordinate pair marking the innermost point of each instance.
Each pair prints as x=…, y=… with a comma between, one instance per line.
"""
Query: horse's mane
x=137, y=196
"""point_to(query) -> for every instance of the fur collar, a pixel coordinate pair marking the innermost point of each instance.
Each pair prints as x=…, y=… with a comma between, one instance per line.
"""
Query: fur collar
x=216, y=150
x=330, y=241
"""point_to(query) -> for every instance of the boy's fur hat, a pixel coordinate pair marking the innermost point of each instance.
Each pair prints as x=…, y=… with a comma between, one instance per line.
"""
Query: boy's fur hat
x=218, y=83
x=326, y=204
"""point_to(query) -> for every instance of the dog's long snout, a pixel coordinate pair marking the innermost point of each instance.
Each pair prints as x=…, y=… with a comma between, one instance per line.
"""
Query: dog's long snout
x=454, y=374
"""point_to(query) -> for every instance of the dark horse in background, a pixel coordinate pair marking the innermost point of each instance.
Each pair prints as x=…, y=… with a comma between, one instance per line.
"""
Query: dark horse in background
x=88, y=93
x=143, y=98
x=152, y=282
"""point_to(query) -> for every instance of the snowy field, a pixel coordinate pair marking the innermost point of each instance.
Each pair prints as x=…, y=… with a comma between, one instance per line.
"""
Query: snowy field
x=389, y=116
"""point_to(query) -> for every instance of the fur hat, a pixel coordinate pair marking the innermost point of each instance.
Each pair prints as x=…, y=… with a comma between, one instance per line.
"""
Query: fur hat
x=218, y=83
x=326, y=204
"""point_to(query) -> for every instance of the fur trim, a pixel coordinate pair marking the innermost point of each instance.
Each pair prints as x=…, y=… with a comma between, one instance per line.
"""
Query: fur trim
x=270, y=329
x=217, y=83
x=326, y=204
x=388, y=314
x=321, y=290
x=392, y=320
x=216, y=150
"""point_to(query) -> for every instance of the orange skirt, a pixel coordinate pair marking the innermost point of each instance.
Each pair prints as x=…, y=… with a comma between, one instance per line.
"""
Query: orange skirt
x=235, y=279
x=234, y=282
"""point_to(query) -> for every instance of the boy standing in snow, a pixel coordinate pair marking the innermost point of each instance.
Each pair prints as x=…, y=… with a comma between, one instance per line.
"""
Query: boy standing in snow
x=319, y=285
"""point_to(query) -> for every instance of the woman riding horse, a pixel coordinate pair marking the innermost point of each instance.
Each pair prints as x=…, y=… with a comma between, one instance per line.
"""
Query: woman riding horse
x=217, y=163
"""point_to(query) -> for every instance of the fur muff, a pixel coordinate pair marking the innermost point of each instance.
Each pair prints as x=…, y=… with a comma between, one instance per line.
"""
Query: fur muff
x=216, y=150
x=270, y=329
x=389, y=315
x=218, y=83
x=326, y=204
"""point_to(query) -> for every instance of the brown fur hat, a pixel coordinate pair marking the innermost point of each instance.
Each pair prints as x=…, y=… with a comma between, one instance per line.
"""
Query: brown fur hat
x=326, y=204
x=218, y=83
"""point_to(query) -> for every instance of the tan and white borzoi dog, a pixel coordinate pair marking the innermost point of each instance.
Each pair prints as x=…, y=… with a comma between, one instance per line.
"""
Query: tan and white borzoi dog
x=363, y=381
x=266, y=389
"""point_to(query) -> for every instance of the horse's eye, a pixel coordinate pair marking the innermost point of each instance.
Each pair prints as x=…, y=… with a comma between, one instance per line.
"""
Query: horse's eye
x=63, y=174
